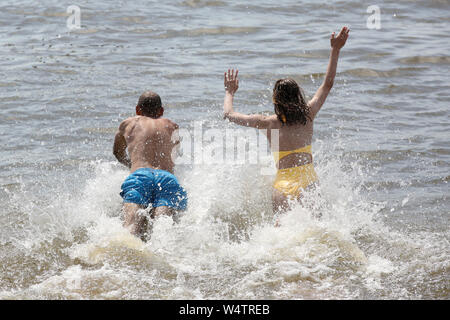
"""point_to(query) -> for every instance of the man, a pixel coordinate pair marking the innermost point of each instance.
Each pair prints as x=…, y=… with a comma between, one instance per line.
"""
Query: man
x=148, y=138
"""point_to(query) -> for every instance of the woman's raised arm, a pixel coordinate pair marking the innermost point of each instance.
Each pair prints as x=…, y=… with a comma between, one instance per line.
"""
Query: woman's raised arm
x=336, y=44
x=231, y=83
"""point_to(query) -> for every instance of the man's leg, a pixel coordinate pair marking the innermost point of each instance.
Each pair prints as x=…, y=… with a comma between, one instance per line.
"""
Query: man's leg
x=163, y=210
x=135, y=219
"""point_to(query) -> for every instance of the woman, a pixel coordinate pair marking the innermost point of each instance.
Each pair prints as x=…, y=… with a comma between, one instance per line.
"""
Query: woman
x=294, y=119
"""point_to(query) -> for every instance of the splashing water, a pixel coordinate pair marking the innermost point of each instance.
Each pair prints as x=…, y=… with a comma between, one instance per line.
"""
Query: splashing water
x=224, y=246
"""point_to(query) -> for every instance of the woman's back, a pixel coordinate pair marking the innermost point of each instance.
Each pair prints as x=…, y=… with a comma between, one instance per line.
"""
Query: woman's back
x=291, y=136
x=294, y=138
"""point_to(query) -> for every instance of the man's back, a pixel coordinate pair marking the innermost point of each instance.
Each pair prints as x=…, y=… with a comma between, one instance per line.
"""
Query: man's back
x=149, y=142
x=151, y=183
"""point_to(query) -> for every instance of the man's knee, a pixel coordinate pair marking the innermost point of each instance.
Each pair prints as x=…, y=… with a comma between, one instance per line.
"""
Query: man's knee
x=163, y=210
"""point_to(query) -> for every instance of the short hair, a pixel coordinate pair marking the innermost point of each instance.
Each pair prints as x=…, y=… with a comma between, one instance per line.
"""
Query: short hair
x=150, y=103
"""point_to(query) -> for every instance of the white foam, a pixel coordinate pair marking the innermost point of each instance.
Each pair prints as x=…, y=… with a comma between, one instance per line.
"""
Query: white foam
x=226, y=243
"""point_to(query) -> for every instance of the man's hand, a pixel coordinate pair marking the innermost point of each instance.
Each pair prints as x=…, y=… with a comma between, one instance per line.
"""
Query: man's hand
x=231, y=81
x=339, y=41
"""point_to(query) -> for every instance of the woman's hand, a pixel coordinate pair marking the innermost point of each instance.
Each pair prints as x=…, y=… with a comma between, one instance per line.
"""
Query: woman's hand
x=339, y=41
x=231, y=81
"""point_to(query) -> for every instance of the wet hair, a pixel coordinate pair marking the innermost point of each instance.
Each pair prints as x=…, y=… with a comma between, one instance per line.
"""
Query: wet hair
x=150, y=104
x=290, y=103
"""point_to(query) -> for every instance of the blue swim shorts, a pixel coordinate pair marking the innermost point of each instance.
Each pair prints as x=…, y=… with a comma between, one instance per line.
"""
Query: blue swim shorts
x=147, y=186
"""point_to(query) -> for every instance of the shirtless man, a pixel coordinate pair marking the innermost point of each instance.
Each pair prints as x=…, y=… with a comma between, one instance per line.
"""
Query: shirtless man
x=148, y=138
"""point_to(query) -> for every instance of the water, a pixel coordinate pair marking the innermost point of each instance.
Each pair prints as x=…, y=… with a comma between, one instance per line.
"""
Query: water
x=380, y=146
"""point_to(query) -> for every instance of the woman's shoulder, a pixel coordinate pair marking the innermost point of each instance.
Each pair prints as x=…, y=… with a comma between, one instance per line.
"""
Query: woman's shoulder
x=275, y=123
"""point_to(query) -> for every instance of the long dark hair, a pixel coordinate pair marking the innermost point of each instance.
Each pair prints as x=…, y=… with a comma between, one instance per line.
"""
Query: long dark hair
x=290, y=103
